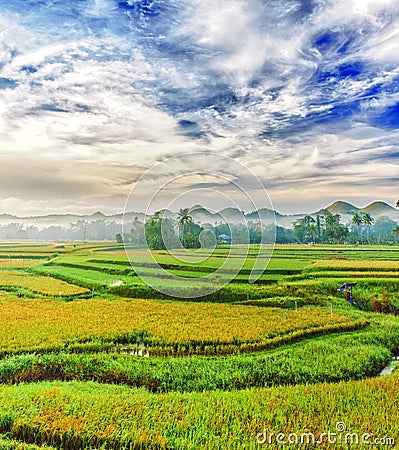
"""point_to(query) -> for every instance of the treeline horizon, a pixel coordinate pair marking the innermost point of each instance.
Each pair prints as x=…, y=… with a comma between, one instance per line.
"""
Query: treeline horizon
x=160, y=233
x=325, y=228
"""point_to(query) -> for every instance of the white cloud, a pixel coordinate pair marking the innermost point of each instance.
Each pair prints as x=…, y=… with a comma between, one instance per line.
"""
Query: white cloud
x=244, y=74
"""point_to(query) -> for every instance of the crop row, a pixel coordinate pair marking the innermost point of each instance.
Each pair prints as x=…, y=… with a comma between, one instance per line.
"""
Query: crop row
x=18, y=263
x=355, y=265
x=123, y=270
x=39, y=284
x=89, y=415
x=134, y=287
x=12, y=444
x=40, y=324
x=338, y=357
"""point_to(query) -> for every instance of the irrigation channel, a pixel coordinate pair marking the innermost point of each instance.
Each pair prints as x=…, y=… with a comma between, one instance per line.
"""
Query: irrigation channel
x=389, y=368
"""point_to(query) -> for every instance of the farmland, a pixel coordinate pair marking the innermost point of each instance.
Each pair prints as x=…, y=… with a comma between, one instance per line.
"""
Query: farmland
x=92, y=357
x=31, y=325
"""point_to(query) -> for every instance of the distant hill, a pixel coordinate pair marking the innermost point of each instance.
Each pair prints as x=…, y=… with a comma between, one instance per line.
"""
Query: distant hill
x=166, y=213
x=98, y=215
x=341, y=207
x=379, y=209
x=202, y=215
x=233, y=215
x=199, y=213
x=264, y=214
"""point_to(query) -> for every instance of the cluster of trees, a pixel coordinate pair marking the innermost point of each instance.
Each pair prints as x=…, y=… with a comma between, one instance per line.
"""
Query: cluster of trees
x=323, y=228
x=81, y=230
x=160, y=233
x=363, y=229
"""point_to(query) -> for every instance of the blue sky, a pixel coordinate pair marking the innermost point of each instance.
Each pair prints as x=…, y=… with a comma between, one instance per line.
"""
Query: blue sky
x=94, y=92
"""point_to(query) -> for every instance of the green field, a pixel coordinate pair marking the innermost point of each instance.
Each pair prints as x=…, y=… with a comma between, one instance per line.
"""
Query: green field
x=93, y=358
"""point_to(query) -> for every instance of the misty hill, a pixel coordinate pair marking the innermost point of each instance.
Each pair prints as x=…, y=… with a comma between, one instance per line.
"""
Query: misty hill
x=341, y=207
x=265, y=214
x=101, y=226
x=375, y=209
x=232, y=215
x=379, y=209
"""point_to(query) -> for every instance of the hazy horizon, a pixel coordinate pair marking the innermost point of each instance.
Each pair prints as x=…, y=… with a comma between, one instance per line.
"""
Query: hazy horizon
x=305, y=93
x=110, y=213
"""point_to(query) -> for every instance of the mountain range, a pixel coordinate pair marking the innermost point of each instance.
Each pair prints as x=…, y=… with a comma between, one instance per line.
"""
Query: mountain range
x=203, y=215
x=374, y=209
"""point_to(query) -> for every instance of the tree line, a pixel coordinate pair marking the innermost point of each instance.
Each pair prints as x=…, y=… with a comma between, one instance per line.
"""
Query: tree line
x=81, y=230
x=160, y=233
x=363, y=229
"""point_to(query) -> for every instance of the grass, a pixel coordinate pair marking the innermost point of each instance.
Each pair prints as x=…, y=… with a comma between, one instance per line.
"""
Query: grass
x=12, y=444
x=336, y=357
x=18, y=263
x=220, y=370
x=65, y=415
x=355, y=265
x=315, y=361
x=167, y=327
x=38, y=284
x=312, y=274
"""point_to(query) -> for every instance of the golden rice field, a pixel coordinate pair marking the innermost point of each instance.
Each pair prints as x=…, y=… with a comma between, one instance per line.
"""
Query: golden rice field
x=108, y=417
x=355, y=273
x=342, y=264
x=40, y=285
x=202, y=401
x=43, y=324
x=18, y=263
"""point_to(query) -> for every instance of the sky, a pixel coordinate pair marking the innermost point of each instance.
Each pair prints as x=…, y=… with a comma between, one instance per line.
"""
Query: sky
x=93, y=93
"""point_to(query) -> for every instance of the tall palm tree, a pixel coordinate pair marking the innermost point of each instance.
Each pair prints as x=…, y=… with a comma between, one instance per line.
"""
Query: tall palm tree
x=307, y=220
x=368, y=222
x=330, y=219
x=306, y=223
x=395, y=231
x=313, y=232
x=318, y=226
x=184, y=219
x=357, y=220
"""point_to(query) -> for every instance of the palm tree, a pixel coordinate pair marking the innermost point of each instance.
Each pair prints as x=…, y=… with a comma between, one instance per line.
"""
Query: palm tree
x=313, y=232
x=368, y=222
x=318, y=226
x=307, y=222
x=184, y=219
x=395, y=231
x=357, y=220
x=331, y=219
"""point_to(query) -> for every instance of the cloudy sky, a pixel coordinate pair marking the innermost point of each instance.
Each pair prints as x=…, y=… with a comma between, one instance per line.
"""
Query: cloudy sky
x=93, y=93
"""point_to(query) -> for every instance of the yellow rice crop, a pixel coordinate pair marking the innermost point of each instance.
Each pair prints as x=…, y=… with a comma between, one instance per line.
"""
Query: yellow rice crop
x=31, y=324
x=41, y=285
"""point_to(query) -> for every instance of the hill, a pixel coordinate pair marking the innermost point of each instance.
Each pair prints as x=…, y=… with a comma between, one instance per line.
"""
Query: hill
x=379, y=209
x=341, y=207
x=100, y=226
